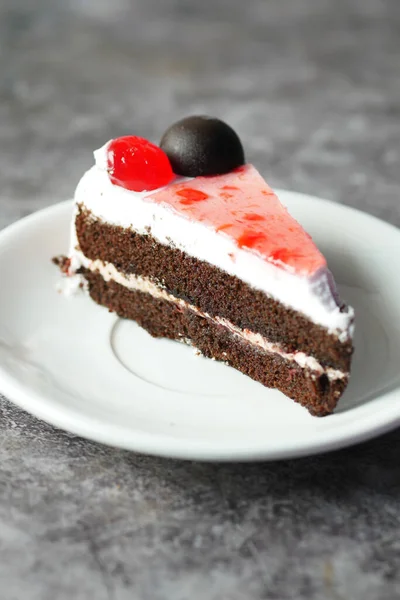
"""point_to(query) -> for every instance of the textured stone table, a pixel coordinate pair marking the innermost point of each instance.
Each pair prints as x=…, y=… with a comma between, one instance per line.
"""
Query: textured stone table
x=312, y=86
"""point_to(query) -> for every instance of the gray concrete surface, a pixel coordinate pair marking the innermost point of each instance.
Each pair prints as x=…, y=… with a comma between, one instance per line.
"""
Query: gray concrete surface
x=313, y=88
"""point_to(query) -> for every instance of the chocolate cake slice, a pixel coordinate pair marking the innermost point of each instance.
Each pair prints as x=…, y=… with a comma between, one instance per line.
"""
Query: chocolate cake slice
x=193, y=245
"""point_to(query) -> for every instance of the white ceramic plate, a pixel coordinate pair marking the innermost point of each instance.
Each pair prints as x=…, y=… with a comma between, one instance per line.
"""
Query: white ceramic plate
x=73, y=364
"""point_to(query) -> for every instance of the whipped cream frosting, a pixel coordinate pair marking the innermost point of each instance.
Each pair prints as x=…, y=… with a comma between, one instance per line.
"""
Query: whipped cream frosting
x=145, y=285
x=316, y=296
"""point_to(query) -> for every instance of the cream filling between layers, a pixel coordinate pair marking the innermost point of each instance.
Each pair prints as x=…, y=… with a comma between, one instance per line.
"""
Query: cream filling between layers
x=145, y=285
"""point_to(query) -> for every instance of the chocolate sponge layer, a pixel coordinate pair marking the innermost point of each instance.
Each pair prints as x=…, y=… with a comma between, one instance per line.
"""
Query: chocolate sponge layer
x=210, y=289
x=165, y=319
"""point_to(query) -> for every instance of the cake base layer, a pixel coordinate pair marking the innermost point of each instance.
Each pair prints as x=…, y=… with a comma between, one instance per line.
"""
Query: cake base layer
x=164, y=319
x=212, y=290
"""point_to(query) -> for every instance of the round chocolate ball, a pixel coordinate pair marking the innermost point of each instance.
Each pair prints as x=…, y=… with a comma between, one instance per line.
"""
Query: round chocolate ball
x=201, y=145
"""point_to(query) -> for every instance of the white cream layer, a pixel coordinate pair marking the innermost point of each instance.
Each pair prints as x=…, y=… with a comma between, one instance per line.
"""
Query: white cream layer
x=142, y=284
x=315, y=297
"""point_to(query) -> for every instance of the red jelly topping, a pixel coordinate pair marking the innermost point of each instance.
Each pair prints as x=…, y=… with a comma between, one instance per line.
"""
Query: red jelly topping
x=225, y=195
x=252, y=216
x=137, y=165
x=250, y=239
x=281, y=254
x=224, y=226
x=191, y=195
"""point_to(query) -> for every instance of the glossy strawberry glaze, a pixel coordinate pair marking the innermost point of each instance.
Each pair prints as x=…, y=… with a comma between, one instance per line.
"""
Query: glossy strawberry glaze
x=242, y=206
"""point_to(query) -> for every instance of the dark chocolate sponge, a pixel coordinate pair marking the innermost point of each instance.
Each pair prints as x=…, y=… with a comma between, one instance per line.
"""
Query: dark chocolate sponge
x=202, y=145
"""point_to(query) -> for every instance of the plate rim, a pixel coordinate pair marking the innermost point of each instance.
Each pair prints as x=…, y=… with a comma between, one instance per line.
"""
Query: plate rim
x=71, y=420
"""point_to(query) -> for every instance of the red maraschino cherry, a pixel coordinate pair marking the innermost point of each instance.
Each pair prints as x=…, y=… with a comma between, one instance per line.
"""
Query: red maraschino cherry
x=136, y=164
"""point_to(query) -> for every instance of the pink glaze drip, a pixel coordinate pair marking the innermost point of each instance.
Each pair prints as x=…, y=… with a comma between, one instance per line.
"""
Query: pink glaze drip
x=242, y=206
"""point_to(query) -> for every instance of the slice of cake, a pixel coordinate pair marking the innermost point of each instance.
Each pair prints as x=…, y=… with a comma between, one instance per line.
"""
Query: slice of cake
x=193, y=245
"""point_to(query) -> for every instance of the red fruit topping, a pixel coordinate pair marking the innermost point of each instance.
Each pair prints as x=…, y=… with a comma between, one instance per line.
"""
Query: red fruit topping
x=254, y=217
x=250, y=239
x=281, y=254
x=285, y=255
x=224, y=226
x=225, y=195
x=190, y=195
x=137, y=165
